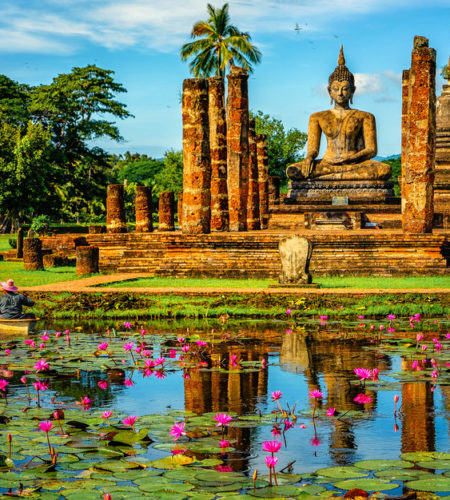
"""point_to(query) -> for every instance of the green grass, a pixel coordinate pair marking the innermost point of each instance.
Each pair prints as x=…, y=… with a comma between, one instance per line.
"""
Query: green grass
x=4, y=245
x=358, y=282
x=22, y=278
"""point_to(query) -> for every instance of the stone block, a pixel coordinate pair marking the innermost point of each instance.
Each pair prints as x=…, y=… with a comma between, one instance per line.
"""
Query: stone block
x=166, y=211
x=295, y=254
x=144, y=209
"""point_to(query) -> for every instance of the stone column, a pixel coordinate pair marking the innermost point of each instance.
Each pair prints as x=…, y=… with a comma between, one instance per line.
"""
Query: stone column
x=19, y=248
x=253, y=221
x=86, y=260
x=196, y=158
x=418, y=138
x=166, y=211
x=442, y=173
x=180, y=209
x=237, y=148
x=32, y=254
x=263, y=179
x=274, y=190
x=144, y=209
x=218, y=151
x=115, y=209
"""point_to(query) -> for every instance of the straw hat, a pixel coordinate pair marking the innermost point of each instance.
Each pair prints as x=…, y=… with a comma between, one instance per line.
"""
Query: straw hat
x=9, y=286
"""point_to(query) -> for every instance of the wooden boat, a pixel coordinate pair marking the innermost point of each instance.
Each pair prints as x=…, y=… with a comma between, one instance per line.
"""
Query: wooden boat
x=17, y=326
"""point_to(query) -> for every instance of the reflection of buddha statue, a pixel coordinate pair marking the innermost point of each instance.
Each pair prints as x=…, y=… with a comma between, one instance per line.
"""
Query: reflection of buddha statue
x=351, y=138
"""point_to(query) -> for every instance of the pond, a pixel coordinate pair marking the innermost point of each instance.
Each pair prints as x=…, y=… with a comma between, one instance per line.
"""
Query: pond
x=206, y=396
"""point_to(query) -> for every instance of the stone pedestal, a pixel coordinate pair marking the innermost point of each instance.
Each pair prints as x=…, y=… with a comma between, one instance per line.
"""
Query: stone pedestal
x=274, y=190
x=19, y=249
x=442, y=159
x=144, y=209
x=325, y=191
x=86, y=260
x=418, y=138
x=196, y=157
x=263, y=179
x=32, y=254
x=166, y=211
x=237, y=148
x=218, y=151
x=334, y=219
x=253, y=219
x=295, y=254
x=115, y=209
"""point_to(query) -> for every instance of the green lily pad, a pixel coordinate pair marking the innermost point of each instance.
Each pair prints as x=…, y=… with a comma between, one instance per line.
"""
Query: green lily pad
x=282, y=478
x=284, y=491
x=366, y=484
x=437, y=483
x=396, y=474
x=419, y=456
x=114, y=466
x=382, y=464
x=435, y=464
x=220, y=477
x=171, y=462
x=342, y=472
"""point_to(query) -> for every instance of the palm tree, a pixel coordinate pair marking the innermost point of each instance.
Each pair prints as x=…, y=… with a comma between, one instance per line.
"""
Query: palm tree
x=220, y=44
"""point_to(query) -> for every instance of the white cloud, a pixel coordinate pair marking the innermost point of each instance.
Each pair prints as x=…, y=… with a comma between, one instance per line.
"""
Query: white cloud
x=368, y=83
x=162, y=24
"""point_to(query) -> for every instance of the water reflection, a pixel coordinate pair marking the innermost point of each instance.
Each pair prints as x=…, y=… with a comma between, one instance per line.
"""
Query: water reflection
x=298, y=363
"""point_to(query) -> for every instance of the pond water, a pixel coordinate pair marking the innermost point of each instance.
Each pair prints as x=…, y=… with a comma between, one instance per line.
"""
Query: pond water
x=235, y=369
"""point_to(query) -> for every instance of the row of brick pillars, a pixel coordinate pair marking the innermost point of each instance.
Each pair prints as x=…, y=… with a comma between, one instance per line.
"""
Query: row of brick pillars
x=115, y=206
x=224, y=162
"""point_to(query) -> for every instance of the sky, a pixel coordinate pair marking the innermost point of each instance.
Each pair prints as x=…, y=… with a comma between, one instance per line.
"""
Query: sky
x=140, y=40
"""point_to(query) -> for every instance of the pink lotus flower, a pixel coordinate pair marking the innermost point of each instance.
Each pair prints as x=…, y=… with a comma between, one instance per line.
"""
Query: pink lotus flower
x=143, y=332
x=323, y=318
x=437, y=346
x=414, y=364
x=102, y=384
x=42, y=346
x=271, y=461
x=315, y=394
x=57, y=335
x=331, y=412
x=23, y=380
x=181, y=340
x=66, y=332
x=107, y=414
x=362, y=399
x=30, y=342
x=434, y=373
x=3, y=384
x=41, y=366
x=288, y=331
x=46, y=425
x=276, y=395
x=375, y=372
x=172, y=353
x=185, y=348
x=360, y=316
x=272, y=446
x=222, y=419
x=275, y=431
x=224, y=468
x=129, y=346
x=447, y=336
x=419, y=337
x=363, y=373
x=263, y=363
x=288, y=425
x=288, y=311
x=146, y=353
x=160, y=374
x=224, y=444
x=391, y=316
x=233, y=358
x=127, y=325
x=315, y=441
x=159, y=361
x=86, y=402
x=201, y=343
x=130, y=421
x=396, y=398
x=103, y=346
x=302, y=426
x=107, y=496
x=45, y=337
x=7, y=352
x=424, y=347
x=177, y=430
x=149, y=363
x=381, y=327
x=391, y=330
x=40, y=386
x=128, y=382
x=138, y=350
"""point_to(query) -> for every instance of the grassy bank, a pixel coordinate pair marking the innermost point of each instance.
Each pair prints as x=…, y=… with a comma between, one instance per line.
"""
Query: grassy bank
x=357, y=282
x=15, y=271
x=139, y=306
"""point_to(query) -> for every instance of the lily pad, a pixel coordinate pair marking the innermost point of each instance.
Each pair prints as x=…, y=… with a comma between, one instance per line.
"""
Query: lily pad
x=283, y=478
x=342, y=472
x=419, y=456
x=437, y=483
x=368, y=484
x=435, y=464
x=171, y=462
x=382, y=464
x=284, y=491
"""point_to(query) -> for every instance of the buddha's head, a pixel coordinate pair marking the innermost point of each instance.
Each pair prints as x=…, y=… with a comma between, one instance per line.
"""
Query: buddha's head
x=341, y=83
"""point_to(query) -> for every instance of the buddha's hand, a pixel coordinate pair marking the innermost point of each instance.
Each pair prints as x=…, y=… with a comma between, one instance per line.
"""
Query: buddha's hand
x=308, y=166
x=341, y=160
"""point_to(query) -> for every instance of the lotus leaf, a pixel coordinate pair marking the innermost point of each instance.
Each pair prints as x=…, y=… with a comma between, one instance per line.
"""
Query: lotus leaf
x=382, y=464
x=285, y=491
x=282, y=478
x=435, y=484
x=435, y=464
x=115, y=466
x=171, y=462
x=368, y=484
x=342, y=472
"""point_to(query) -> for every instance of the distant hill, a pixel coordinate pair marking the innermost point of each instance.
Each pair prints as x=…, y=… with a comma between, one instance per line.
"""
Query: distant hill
x=384, y=158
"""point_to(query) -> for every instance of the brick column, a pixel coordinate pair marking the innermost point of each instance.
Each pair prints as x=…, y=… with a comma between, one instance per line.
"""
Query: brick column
x=218, y=151
x=274, y=190
x=263, y=179
x=180, y=209
x=237, y=148
x=115, y=209
x=32, y=254
x=166, y=211
x=253, y=222
x=418, y=138
x=144, y=209
x=196, y=159
x=86, y=260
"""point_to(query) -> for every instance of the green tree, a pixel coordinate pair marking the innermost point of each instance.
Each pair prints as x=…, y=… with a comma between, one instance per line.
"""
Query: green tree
x=170, y=178
x=14, y=101
x=283, y=146
x=219, y=45
x=396, y=165
x=141, y=172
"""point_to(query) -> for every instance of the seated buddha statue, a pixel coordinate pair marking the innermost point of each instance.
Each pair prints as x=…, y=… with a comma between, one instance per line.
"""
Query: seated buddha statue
x=351, y=138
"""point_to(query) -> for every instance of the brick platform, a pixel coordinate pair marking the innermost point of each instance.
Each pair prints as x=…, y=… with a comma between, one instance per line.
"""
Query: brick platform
x=255, y=254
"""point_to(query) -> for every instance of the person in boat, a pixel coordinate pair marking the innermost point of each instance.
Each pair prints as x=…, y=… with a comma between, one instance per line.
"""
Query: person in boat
x=11, y=302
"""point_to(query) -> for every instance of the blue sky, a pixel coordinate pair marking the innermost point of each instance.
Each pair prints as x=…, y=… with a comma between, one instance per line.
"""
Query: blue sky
x=140, y=40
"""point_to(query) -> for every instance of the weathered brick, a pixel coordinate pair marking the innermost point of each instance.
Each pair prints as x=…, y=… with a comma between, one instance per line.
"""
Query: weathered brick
x=115, y=209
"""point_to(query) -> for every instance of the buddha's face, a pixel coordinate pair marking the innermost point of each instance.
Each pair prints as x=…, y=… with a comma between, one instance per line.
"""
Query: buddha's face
x=341, y=92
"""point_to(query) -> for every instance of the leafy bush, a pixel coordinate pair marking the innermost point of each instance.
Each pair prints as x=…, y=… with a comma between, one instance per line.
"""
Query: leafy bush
x=12, y=242
x=40, y=224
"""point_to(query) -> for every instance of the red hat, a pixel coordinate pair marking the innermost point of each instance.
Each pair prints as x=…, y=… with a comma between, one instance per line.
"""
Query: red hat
x=9, y=286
